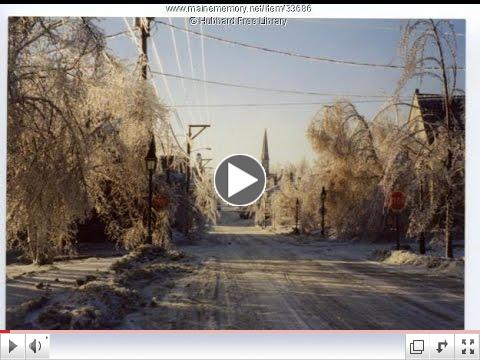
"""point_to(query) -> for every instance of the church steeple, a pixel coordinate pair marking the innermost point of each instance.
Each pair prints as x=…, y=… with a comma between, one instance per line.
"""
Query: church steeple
x=265, y=157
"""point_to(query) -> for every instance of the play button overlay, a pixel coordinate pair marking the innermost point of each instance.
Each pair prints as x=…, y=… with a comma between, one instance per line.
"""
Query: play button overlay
x=239, y=180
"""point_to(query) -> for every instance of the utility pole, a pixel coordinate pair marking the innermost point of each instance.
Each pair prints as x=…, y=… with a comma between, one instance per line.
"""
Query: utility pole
x=202, y=162
x=205, y=162
x=144, y=25
x=190, y=137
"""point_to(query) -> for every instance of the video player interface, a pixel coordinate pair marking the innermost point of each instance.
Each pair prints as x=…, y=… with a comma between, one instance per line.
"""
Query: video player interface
x=287, y=177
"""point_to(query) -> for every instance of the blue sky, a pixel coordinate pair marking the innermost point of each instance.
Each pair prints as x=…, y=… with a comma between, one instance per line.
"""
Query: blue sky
x=240, y=129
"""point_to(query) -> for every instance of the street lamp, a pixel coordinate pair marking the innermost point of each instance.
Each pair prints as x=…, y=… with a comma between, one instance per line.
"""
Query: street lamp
x=151, y=162
x=297, y=202
x=297, y=210
x=323, y=196
x=264, y=211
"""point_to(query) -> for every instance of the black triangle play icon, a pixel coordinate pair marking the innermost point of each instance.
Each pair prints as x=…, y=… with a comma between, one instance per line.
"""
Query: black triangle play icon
x=11, y=346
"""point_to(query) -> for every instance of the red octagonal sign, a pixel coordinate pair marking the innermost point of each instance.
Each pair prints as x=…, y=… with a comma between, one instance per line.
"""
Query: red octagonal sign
x=398, y=201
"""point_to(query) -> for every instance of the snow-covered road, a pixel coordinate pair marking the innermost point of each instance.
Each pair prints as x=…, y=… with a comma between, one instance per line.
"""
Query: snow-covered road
x=252, y=279
x=242, y=277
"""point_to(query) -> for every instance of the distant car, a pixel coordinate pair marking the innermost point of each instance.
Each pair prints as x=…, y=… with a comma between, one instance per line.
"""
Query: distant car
x=245, y=215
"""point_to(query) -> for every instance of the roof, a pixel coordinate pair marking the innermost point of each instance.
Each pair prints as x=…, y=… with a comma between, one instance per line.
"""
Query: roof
x=432, y=109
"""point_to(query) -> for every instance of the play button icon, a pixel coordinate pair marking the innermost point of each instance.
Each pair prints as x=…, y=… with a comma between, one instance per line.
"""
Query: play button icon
x=239, y=180
x=11, y=346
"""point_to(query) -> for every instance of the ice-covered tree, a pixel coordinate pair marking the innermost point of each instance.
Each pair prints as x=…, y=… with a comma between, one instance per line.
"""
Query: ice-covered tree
x=429, y=50
x=50, y=62
x=350, y=166
x=77, y=136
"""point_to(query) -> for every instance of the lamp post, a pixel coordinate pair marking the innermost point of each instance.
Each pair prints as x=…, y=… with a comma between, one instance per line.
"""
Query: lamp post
x=297, y=202
x=151, y=162
x=323, y=196
x=264, y=211
x=297, y=209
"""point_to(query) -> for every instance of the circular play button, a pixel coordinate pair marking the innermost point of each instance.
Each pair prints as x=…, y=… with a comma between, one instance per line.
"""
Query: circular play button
x=240, y=180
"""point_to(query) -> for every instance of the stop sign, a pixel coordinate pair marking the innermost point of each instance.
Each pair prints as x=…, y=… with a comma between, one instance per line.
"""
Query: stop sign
x=160, y=202
x=398, y=201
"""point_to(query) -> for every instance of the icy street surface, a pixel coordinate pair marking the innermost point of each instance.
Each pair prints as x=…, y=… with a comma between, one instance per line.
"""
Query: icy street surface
x=242, y=277
x=252, y=279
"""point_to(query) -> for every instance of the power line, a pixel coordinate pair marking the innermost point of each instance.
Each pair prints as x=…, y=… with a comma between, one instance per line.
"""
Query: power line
x=250, y=87
x=289, y=53
x=165, y=82
x=281, y=52
x=111, y=36
x=359, y=26
x=202, y=45
x=134, y=39
x=179, y=65
x=132, y=33
x=270, y=104
x=190, y=57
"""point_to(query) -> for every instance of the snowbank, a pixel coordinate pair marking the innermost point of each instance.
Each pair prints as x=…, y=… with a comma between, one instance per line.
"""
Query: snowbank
x=451, y=267
x=145, y=254
x=103, y=300
x=95, y=305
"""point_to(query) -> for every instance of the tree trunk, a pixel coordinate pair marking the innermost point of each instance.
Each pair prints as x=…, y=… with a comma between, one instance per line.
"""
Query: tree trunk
x=421, y=237
x=41, y=257
x=421, y=244
x=449, y=129
x=448, y=226
x=36, y=246
x=32, y=242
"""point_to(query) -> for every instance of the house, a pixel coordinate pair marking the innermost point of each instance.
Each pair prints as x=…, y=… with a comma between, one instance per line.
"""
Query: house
x=427, y=114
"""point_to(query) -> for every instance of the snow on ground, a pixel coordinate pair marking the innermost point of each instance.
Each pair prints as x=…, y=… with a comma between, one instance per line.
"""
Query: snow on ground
x=25, y=282
x=436, y=264
x=249, y=278
x=239, y=277
x=89, y=299
x=98, y=304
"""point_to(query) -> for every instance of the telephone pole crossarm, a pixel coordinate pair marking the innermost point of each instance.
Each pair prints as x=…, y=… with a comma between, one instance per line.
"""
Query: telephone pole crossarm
x=202, y=127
